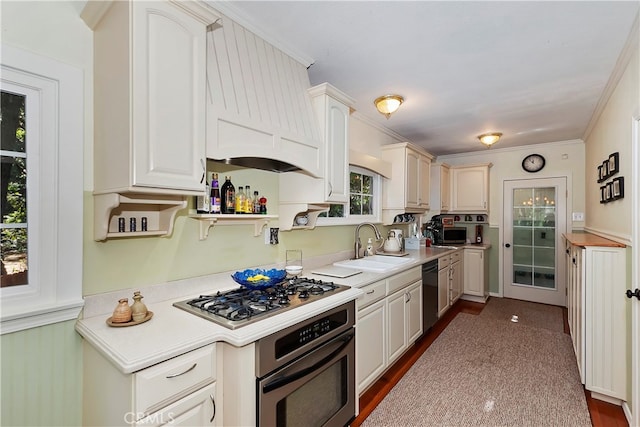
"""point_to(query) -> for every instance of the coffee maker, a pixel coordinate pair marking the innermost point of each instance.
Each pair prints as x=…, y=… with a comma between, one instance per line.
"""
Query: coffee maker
x=478, y=238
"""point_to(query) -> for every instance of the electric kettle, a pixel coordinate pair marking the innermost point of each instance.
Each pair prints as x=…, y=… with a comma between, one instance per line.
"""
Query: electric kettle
x=393, y=241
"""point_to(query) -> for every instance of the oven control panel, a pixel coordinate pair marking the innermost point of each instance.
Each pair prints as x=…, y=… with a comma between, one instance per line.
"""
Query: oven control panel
x=301, y=336
x=314, y=331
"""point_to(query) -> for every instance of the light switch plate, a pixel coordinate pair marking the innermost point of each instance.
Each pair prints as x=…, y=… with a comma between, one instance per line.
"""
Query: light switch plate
x=578, y=216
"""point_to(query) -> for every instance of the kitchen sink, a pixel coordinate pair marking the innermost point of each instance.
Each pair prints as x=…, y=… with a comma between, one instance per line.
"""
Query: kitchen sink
x=375, y=263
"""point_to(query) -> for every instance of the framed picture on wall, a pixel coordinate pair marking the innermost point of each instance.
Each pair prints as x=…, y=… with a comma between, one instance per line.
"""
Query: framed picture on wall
x=614, y=164
x=603, y=194
x=609, y=191
x=600, y=174
x=617, y=190
x=605, y=170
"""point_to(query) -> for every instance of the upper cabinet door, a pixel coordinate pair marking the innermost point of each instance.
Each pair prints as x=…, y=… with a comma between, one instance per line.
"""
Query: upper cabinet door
x=149, y=95
x=470, y=188
x=168, y=96
x=424, y=182
x=337, y=146
x=413, y=179
x=409, y=188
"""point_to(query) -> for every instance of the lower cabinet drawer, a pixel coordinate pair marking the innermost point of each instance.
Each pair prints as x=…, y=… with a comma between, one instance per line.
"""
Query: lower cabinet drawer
x=372, y=293
x=169, y=381
x=403, y=279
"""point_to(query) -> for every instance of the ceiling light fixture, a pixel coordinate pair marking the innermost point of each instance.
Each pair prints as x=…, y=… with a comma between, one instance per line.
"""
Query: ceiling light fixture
x=388, y=104
x=489, y=139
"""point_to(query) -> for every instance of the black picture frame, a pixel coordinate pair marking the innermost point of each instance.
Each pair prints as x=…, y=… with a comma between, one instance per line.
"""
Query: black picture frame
x=600, y=174
x=617, y=188
x=605, y=170
x=603, y=198
x=613, y=164
x=609, y=191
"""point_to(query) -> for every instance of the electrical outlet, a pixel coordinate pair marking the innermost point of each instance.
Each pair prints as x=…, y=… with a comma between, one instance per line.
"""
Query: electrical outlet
x=273, y=236
x=578, y=216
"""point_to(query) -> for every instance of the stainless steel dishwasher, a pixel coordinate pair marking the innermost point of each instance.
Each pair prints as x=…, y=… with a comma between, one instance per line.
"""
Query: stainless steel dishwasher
x=429, y=295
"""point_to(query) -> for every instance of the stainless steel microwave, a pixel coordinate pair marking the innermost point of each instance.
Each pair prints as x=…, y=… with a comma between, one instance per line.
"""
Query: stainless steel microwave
x=453, y=235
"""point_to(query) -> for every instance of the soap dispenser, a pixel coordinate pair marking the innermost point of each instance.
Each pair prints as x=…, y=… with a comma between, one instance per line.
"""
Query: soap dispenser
x=369, y=250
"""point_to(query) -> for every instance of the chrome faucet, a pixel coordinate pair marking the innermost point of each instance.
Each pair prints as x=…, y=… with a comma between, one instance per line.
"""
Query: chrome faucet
x=358, y=244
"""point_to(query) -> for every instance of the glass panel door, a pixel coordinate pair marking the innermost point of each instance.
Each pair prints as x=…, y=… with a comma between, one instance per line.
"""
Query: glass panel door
x=534, y=220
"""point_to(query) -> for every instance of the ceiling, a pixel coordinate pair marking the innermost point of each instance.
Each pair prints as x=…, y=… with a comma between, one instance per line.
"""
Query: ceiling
x=534, y=71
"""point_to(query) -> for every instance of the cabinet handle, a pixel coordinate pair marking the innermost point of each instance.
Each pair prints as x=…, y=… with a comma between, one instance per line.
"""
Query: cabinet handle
x=407, y=297
x=635, y=293
x=213, y=401
x=330, y=189
x=182, y=373
x=370, y=292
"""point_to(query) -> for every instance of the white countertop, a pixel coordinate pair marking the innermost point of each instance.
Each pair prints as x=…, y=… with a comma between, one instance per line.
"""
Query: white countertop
x=172, y=331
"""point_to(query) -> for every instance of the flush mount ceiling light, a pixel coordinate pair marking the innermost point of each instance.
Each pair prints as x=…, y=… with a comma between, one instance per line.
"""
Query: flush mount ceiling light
x=388, y=104
x=489, y=139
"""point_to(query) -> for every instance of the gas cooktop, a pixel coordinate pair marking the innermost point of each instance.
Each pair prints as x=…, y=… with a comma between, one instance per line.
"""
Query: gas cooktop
x=242, y=306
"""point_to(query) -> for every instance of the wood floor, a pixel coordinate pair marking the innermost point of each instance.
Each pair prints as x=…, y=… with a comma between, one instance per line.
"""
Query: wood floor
x=603, y=414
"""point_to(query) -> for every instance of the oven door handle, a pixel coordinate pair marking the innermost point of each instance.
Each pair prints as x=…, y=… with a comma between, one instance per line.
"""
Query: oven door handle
x=282, y=381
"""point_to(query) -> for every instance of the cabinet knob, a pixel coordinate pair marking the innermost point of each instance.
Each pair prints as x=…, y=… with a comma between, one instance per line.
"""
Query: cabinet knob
x=635, y=293
x=507, y=245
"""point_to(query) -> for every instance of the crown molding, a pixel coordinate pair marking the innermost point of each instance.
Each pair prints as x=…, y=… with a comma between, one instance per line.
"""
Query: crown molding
x=628, y=50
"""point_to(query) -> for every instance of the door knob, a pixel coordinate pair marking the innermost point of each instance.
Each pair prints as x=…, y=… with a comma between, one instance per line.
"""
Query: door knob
x=636, y=293
x=507, y=245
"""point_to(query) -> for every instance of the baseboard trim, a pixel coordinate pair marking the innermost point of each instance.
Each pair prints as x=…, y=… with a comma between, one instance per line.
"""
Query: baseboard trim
x=627, y=412
x=474, y=298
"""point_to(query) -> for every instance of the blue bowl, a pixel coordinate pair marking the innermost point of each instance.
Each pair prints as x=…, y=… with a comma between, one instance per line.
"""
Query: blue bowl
x=275, y=276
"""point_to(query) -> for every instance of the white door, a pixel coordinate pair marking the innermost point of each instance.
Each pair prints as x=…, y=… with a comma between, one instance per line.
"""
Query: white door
x=534, y=220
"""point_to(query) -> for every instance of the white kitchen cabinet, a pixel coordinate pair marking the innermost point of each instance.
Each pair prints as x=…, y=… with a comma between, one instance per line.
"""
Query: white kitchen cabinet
x=182, y=389
x=149, y=107
x=470, y=188
x=404, y=320
x=149, y=96
x=457, y=276
x=450, y=280
x=575, y=304
x=197, y=409
x=597, y=314
x=371, y=351
x=408, y=189
x=440, y=187
x=332, y=110
x=443, y=286
x=389, y=321
x=476, y=275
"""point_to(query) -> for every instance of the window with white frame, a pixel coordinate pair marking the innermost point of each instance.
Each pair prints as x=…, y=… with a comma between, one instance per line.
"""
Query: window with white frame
x=41, y=117
x=365, y=200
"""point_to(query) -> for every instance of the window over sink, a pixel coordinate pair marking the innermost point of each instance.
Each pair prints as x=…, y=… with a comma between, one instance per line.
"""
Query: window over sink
x=365, y=200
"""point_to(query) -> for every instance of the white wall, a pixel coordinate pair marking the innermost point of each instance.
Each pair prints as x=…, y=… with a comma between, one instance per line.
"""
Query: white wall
x=611, y=133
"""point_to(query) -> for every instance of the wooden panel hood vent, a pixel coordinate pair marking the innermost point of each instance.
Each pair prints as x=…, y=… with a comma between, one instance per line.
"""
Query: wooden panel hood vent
x=258, y=106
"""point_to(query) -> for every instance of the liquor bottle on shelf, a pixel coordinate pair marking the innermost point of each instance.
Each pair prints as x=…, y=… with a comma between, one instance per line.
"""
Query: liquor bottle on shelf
x=256, y=202
x=228, y=197
x=202, y=201
x=240, y=198
x=247, y=207
x=263, y=205
x=215, y=195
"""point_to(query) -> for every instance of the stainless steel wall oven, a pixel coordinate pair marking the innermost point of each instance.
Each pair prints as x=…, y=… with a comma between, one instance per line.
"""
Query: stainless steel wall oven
x=306, y=373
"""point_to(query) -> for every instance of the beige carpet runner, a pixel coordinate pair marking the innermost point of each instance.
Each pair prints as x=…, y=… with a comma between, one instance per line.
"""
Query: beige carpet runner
x=487, y=370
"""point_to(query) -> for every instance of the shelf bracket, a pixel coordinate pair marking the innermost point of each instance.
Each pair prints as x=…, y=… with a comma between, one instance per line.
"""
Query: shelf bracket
x=206, y=221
